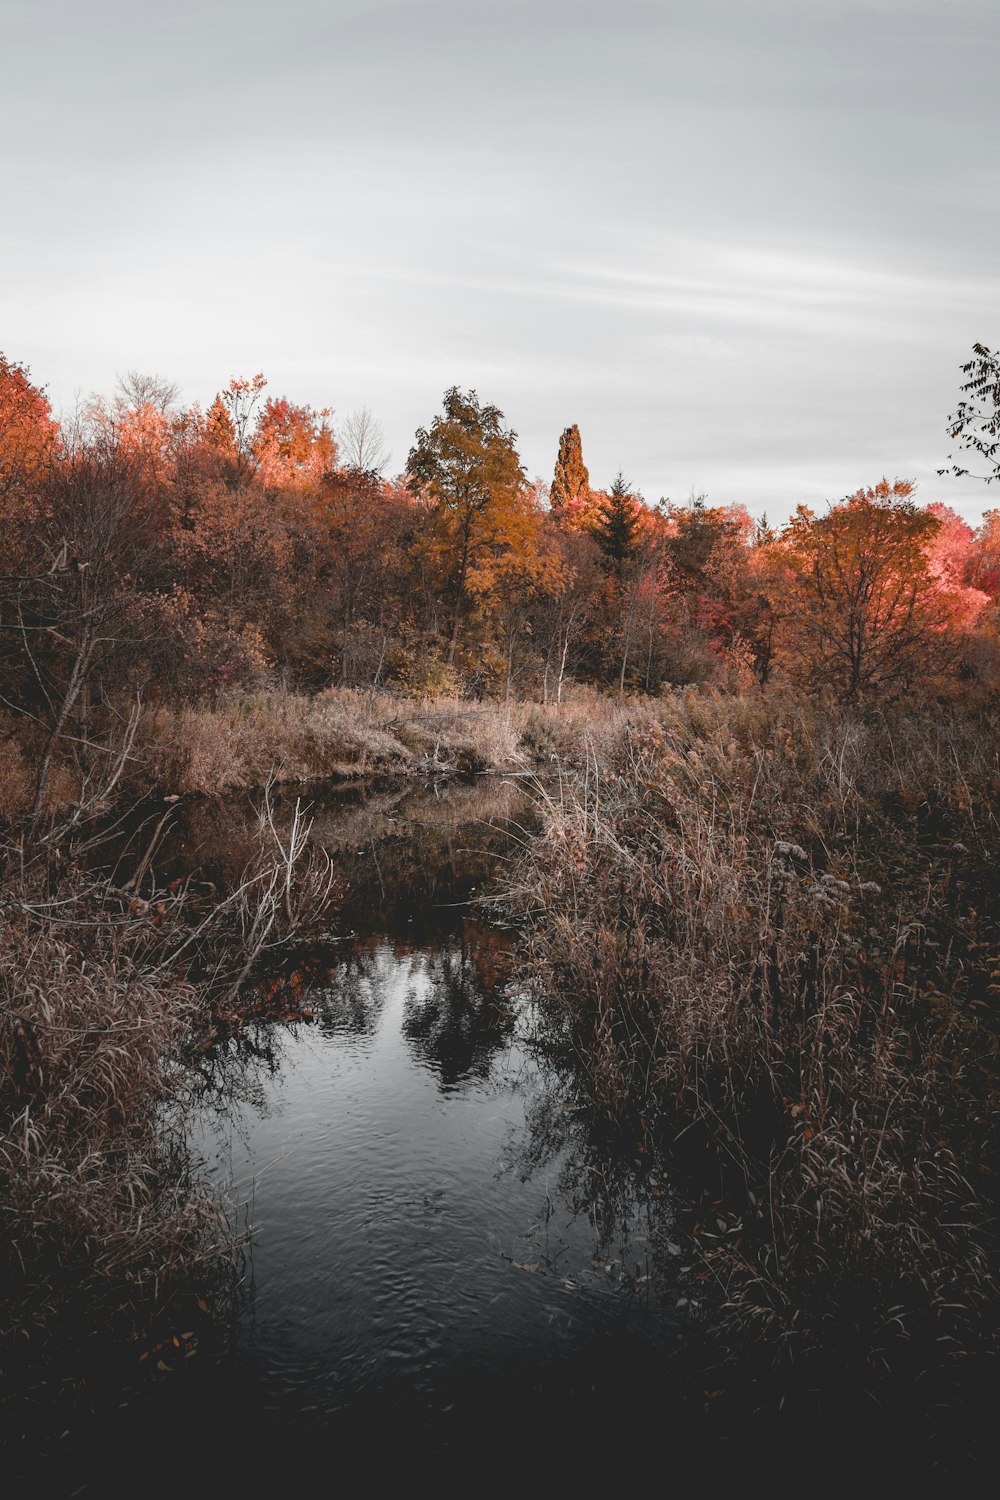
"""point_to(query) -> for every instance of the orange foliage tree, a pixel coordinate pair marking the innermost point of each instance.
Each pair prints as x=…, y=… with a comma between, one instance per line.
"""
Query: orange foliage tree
x=29, y=442
x=354, y=560
x=572, y=501
x=985, y=572
x=864, y=611
x=293, y=444
x=186, y=551
x=510, y=589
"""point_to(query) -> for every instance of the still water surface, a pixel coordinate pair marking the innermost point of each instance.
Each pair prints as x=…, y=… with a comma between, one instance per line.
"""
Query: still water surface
x=445, y=1275
x=428, y=1245
x=400, y=1247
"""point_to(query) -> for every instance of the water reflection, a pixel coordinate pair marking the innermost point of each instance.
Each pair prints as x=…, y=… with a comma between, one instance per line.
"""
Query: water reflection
x=401, y=848
x=457, y=1016
x=605, y=1178
x=350, y=1003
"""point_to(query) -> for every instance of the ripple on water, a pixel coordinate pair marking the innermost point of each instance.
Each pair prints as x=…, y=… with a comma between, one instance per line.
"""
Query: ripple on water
x=390, y=1241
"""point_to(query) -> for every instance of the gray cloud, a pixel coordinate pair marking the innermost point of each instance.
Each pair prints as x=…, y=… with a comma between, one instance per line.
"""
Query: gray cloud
x=745, y=245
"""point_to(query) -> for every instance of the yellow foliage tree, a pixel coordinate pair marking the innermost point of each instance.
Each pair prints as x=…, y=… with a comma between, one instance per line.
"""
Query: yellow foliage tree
x=480, y=508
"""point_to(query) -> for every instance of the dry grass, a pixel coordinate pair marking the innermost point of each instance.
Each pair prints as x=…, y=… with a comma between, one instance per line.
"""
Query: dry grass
x=772, y=925
x=93, y=1204
x=582, y=728
x=109, y=994
x=244, y=739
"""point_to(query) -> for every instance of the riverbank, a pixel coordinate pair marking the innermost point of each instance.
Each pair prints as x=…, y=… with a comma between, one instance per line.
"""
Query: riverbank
x=137, y=1270
x=765, y=934
x=114, y=984
x=243, y=740
x=133, y=935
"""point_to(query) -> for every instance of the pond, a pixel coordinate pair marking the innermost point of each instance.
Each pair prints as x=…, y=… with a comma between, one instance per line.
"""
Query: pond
x=456, y=1273
x=443, y=1268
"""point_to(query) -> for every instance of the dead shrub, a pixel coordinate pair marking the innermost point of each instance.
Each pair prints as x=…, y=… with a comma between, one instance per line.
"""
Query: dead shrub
x=94, y=1207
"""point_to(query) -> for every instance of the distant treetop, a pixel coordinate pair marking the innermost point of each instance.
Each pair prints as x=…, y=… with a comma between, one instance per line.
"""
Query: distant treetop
x=569, y=494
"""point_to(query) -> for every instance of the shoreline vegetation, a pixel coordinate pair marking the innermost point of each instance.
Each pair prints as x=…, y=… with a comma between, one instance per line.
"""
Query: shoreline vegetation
x=246, y=740
x=761, y=917
x=114, y=989
x=764, y=932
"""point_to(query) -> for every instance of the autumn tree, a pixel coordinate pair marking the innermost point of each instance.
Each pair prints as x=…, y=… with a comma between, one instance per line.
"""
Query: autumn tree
x=975, y=423
x=717, y=568
x=136, y=390
x=231, y=542
x=565, y=618
x=569, y=494
x=358, y=590
x=219, y=429
x=136, y=423
x=618, y=531
x=239, y=401
x=293, y=445
x=467, y=464
x=953, y=556
x=29, y=442
x=698, y=533
x=243, y=499
x=513, y=590
x=754, y=591
x=865, y=612
x=77, y=625
x=985, y=572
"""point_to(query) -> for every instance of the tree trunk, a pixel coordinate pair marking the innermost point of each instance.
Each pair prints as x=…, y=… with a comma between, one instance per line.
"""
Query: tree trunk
x=562, y=669
x=76, y=681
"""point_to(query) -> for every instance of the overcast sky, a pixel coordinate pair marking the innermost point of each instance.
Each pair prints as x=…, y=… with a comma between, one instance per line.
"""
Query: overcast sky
x=745, y=245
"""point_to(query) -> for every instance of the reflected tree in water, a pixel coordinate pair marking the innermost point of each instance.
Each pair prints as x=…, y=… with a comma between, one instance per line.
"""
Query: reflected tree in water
x=603, y=1175
x=457, y=1016
x=353, y=999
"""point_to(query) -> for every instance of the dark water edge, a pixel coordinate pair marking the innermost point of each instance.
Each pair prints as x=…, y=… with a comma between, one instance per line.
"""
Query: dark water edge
x=457, y=1278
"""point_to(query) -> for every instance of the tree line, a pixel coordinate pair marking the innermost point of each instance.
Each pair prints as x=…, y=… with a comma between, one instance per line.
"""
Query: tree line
x=154, y=549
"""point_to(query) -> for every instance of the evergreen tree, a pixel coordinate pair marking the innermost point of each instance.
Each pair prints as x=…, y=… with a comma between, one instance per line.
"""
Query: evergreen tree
x=219, y=430
x=616, y=529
